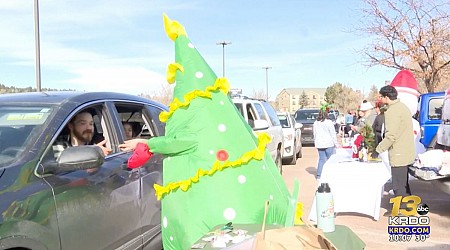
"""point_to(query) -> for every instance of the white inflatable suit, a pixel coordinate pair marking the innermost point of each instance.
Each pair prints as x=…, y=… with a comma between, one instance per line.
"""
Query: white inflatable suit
x=407, y=88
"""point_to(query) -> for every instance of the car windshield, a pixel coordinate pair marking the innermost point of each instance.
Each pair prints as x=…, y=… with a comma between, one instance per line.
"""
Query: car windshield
x=303, y=115
x=284, y=121
x=17, y=124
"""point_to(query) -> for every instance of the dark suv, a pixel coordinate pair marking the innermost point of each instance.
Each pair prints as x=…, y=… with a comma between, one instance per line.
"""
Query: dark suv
x=49, y=199
x=307, y=117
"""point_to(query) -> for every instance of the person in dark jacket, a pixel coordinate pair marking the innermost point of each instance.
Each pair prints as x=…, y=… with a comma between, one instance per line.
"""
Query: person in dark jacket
x=378, y=123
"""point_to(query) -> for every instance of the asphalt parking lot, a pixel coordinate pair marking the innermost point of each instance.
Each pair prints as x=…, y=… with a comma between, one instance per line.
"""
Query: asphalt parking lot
x=374, y=233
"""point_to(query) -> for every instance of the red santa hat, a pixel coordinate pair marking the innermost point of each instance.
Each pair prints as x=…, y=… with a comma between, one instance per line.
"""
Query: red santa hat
x=405, y=82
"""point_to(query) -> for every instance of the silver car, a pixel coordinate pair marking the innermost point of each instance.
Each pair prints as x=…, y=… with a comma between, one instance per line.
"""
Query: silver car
x=292, y=137
x=261, y=116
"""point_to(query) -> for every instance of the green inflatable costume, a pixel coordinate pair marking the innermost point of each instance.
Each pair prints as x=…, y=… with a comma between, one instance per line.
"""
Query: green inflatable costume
x=216, y=170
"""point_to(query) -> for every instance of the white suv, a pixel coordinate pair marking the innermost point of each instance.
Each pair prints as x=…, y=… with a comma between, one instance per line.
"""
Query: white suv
x=261, y=117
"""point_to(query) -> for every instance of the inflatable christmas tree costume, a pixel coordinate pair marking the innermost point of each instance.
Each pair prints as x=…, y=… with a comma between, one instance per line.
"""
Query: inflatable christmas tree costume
x=215, y=171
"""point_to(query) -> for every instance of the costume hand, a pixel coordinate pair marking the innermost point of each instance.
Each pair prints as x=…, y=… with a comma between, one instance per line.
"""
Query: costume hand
x=131, y=144
x=140, y=156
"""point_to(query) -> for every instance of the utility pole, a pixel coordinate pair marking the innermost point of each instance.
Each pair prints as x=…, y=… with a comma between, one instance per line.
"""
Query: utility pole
x=37, y=46
x=223, y=43
x=267, y=81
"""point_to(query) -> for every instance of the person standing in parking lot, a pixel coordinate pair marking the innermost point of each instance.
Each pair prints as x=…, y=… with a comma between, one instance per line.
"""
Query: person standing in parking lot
x=398, y=140
x=348, y=122
x=325, y=139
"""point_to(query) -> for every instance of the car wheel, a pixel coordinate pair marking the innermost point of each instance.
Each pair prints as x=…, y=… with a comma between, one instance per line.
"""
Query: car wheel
x=293, y=159
x=300, y=154
x=279, y=162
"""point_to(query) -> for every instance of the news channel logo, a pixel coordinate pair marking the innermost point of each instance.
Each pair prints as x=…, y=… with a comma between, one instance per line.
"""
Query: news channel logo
x=409, y=221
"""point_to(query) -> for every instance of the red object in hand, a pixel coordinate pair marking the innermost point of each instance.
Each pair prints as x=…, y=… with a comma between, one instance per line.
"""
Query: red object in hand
x=140, y=156
x=356, y=145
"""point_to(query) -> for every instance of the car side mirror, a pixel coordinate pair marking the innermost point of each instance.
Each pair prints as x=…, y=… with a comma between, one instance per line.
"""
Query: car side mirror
x=74, y=158
x=261, y=124
x=298, y=125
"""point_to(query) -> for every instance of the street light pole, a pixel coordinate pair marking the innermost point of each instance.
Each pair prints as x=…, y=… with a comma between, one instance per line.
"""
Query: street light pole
x=223, y=43
x=267, y=82
x=37, y=46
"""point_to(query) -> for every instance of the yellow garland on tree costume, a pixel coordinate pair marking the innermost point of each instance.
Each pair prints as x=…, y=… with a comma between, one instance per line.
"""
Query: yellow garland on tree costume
x=220, y=84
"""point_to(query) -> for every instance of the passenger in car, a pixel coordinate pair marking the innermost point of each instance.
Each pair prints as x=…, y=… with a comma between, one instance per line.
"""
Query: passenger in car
x=81, y=132
x=129, y=133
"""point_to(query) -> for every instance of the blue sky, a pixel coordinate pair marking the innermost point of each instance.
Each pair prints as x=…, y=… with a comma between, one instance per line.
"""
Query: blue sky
x=116, y=45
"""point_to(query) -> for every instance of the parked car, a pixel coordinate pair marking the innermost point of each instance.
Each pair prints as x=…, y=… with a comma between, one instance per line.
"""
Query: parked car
x=428, y=115
x=292, y=137
x=262, y=117
x=333, y=118
x=307, y=117
x=53, y=202
x=442, y=141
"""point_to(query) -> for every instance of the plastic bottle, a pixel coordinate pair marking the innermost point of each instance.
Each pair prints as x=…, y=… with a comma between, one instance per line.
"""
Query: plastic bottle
x=362, y=154
x=325, y=208
x=365, y=155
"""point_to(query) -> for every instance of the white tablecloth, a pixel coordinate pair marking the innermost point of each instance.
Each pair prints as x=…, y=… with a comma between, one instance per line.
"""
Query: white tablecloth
x=356, y=186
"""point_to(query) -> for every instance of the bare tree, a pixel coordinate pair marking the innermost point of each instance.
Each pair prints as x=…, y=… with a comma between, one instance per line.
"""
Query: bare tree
x=342, y=97
x=373, y=94
x=164, y=95
x=410, y=34
x=259, y=94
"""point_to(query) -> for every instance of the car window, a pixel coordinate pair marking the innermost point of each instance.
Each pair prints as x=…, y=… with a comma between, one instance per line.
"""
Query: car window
x=306, y=115
x=272, y=114
x=435, y=108
x=17, y=125
x=160, y=127
x=101, y=130
x=284, y=121
x=143, y=123
x=251, y=115
x=292, y=120
x=239, y=107
x=260, y=111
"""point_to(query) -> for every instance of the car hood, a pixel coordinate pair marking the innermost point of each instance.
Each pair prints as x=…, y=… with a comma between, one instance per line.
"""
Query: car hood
x=306, y=122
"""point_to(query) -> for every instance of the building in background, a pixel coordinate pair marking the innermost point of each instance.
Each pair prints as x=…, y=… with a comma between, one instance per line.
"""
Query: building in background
x=292, y=99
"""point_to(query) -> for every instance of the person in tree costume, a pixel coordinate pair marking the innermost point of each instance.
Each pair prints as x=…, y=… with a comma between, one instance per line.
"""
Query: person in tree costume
x=215, y=169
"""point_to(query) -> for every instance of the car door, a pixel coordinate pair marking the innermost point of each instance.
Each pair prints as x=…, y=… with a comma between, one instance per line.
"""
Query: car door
x=275, y=131
x=297, y=132
x=99, y=208
x=146, y=121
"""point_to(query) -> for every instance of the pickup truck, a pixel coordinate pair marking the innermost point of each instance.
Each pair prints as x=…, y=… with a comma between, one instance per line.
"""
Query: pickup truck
x=429, y=112
x=441, y=178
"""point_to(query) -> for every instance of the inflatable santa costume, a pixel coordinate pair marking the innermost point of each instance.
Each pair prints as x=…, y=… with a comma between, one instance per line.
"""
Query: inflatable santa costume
x=408, y=93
